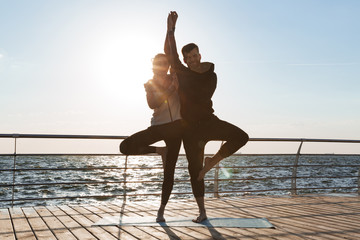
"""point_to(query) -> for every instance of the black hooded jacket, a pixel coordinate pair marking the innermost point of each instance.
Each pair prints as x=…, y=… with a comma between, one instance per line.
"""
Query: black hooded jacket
x=195, y=89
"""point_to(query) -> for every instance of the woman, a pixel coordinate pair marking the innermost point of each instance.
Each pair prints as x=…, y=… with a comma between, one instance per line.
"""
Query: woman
x=166, y=124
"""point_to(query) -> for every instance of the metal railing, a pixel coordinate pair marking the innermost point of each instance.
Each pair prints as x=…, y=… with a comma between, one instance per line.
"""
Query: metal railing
x=294, y=189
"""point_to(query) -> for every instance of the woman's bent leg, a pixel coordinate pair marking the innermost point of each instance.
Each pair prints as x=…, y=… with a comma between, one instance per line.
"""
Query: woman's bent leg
x=139, y=143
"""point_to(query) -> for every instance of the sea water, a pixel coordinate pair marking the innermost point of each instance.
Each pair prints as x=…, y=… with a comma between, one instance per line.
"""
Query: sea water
x=144, y=176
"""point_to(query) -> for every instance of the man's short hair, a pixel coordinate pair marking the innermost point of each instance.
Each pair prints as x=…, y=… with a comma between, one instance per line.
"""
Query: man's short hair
x=188, y=48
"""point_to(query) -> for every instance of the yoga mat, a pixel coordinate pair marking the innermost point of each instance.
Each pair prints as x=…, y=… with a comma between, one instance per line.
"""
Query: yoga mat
x=185, y=222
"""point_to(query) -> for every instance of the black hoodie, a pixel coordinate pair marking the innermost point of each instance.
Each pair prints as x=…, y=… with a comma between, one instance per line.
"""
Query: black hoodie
x=195, y=89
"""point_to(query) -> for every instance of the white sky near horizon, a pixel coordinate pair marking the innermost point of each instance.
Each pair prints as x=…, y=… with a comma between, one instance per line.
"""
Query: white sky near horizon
x=286, y=69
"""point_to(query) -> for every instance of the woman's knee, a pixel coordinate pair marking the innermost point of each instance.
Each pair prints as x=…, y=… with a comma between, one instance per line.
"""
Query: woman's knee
x=125, y=147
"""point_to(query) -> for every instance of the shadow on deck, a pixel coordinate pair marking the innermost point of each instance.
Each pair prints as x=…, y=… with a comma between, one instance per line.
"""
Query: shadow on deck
x=299, y=217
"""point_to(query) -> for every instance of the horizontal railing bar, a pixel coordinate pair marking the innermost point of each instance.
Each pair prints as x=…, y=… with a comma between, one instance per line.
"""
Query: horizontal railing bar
x=283, y=189
x=92, y=196
x=175, y=193
x=18, y=135
x=83, y=169
x=65, y=197
x=286, y=189
x=147, y=168
x=302, y=140
x=181, y=180
x=79, y=183
x=63, y=154
x=15, y=135
x=291, y=166
x=299, y=165
x=274, y=178
x=181, y=154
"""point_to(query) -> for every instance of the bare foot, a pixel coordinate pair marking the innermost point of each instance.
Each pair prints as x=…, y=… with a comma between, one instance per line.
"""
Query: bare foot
x=162, y=151
x=206, y=168
x=160, y=219
x=160, y=214
x=200, y=218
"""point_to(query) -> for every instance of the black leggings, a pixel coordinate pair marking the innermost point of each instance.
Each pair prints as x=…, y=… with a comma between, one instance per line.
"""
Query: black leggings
x=197, y=135
x=139, y=143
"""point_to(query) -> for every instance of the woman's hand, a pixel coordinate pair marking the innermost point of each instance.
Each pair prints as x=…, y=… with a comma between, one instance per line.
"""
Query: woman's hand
x=175, y=81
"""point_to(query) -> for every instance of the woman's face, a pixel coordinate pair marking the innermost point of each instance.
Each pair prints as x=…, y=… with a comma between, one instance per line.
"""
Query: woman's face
x=160, y=65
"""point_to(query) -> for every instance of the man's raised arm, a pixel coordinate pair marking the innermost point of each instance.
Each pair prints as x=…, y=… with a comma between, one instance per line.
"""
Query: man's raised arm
x=170, y=43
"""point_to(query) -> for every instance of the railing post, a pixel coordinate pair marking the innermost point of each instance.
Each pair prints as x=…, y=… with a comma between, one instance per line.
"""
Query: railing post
x=216, y=181
x=124, y=194
x=14, y=167
x=359, y=182
x=294, y=173
x=125, y=175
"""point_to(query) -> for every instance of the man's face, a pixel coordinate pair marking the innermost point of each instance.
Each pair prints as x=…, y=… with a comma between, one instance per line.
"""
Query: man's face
x=192, y=59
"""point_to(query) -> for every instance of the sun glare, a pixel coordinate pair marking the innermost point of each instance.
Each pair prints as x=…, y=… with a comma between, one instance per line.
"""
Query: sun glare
x=122, y=65
x=111, y=58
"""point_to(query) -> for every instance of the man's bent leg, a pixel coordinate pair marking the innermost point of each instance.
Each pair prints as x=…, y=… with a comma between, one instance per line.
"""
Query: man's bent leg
x=217, y=129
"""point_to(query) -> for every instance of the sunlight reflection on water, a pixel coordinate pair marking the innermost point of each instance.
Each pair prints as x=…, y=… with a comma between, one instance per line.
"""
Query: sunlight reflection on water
x=70, y=177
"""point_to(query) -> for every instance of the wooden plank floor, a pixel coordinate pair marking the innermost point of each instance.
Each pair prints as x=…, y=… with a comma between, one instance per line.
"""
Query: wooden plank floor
x=301, y=217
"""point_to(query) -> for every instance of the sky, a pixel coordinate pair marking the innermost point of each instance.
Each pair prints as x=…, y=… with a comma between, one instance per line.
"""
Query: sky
x=286, y=69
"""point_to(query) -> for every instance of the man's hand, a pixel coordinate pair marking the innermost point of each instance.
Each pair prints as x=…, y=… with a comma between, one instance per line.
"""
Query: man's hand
x=174, y=16
x=171, y=21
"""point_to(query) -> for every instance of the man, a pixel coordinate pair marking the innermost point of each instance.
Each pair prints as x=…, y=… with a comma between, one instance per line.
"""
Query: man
x=197, y=83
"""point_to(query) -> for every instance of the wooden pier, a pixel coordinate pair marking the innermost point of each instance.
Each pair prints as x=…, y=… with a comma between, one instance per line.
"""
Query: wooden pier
x=298, y=217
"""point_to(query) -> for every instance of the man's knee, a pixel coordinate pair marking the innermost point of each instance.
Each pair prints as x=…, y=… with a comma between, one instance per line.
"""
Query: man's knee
x=240, y=136
x=245, y=137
